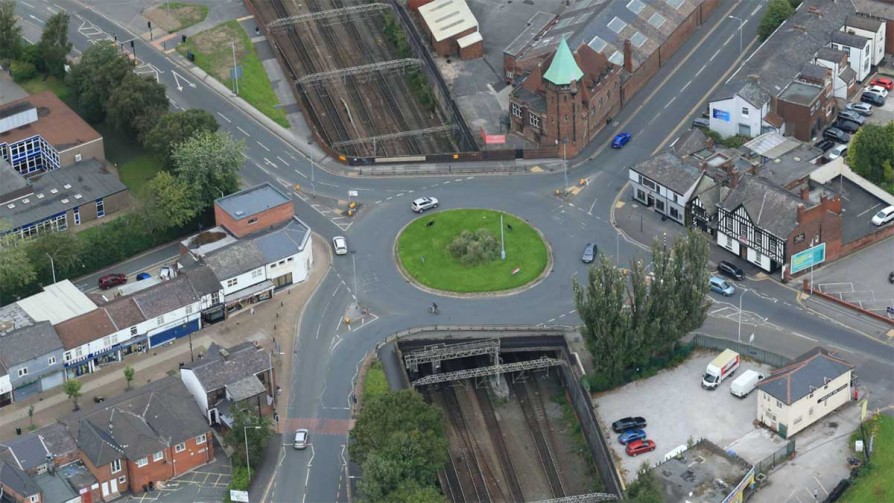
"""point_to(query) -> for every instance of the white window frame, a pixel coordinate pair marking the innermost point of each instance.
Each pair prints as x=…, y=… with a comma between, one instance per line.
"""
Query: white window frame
x=201, y=439
x=23, y=371
x=142, y=462
x=51, y=360
x=534, y=120
x=122, y=480
x=516, y=110
x=180, y=447
x=114, y=464
x=158, y=456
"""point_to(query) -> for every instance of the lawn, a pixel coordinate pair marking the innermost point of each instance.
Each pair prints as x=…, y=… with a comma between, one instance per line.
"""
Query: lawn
x=175, y=16
x=137, y=172
x=136, y=165
x=214, y=54
x=876, y=483
x=375, y=383
x=38, y=85
x=422, y=251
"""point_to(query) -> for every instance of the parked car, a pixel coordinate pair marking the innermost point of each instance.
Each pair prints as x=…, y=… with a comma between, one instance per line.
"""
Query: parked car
x=112, y=280
x=620, y=140
x=628, y=423
x=864, y=109
x=424, y=203
x=835, y=153
x=882, y=82
x=836, y=134
x=640, y=446
x=631, y=436
x=852, y=116
x=879, y=90
x=721, y=286
x=701, y=122
x=143, y=275
x=847, y=126
x=340, y=245
x=301, y=438
x=824, y=145
x=589, y=254
x=884, y=216
x=873, y=99
x=731, y=270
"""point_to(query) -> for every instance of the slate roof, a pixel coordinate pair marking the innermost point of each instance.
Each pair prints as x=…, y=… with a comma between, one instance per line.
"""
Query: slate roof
x=830, y=54
x=124, y=312
x=791, y=166
x=808, y=373
x=563, y=69
x=864, y=23
x=689, y=142
x=874, y=8
x=202, y=279
x=27, y=343
x=17, y=480
x=537, y=23
x=165, y=297
x=849, y=39
x=235, y=259
x=28, y=450
x=669, y=171
x=258, y=250
x=12, y=184
x=138, y=423
x=251, y=201
x=214, y=371
x=246, y=387
x=57, y=439
x=283, y=242
x=85, y=328
x=769, y=207
x=814, y=72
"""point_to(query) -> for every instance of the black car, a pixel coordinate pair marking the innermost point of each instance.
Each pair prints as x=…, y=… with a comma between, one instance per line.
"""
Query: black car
x=851, y=115
x=628, y=423
x=836, y=135
x=847, y=126
x=701, y=122
x=589, y=254
x=731, y=270
x=873, y=99
x=824, y=145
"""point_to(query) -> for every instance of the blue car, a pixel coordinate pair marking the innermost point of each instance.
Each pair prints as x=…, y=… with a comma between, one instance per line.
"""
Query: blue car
x=631, y=435
x=621, y=140
x=143, y=275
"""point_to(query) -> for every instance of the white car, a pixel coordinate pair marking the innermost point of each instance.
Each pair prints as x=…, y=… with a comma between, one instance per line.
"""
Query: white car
x=301, y=438
x=340, y=245
x=879, y=90
x=884, y=216
x=836, y=152
x=424, y=203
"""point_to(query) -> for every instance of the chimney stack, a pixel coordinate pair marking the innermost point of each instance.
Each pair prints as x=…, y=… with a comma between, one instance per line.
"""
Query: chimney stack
x=628, y=56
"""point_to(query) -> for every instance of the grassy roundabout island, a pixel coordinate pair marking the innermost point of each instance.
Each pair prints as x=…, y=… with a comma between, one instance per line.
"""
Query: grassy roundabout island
x=459, y=251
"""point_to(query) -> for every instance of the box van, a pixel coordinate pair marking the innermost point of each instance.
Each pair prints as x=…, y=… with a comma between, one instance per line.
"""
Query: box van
x=721, y=286
x=745, y=383
x=720, y=368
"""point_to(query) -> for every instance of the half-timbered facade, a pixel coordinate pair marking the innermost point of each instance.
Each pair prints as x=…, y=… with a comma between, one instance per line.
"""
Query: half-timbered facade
x=665, y=182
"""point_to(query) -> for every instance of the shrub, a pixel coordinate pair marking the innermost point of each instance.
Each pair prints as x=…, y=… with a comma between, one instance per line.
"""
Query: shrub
x=474, y=248
x=22, y=71
x=239, y=482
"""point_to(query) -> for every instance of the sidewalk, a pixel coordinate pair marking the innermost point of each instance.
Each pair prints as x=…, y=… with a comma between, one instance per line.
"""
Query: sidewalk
x=276, y=319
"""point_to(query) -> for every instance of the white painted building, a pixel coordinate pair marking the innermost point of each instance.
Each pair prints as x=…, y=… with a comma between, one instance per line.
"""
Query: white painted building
x=858, y=50
x=741, y=109
x=843, y=76
x=874, y=30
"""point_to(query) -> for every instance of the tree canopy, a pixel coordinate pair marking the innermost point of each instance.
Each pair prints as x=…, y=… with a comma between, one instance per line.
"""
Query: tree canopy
x=871, y=153
x=93, y=80
x=258, y=432
x=16, y=269
x=172, y=202
x=209, y=163
x=777, y=12
x=54, y=45
x=10, y=31
x=175, y=127
x=136, y=104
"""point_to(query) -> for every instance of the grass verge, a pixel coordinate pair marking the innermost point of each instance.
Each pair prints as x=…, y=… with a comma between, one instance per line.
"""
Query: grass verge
x=177, y=15
x=136, y=166
x=875, y=482
x=213, y=51
x=40, y=84
x=375, y=383
x=422, y=251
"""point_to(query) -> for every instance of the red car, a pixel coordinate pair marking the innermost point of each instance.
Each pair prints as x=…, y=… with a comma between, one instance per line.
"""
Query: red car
x=112, y=280
x=883, y=82
x=638, y=447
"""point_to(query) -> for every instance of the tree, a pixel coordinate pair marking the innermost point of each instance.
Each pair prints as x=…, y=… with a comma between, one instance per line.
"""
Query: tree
x=413, y=492
x=257, y=437
x=175, y=127
x=390, y=413
x=408, y=456
x=172, y=201
x=54, y=45
x=101, y=70
x=777, y=12
x=72, y=388
x=209, y=163
x=65, y=248
x=646, y=488
x=10, y=31
x=128, y=375
x=136, y=103
x=869, y=149
x=16, y=269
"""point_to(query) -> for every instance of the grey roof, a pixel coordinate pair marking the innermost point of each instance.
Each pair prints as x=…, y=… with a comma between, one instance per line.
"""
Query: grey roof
x=771, y=145
x=54, y=488
x=27, y=343
x=283, y=242
x=165, y=297
x=90, y=179
x=747, y=89
x=235, y=259
x=124, y=312
x=57, y=439
x=252, y=201
x=202, y=279
x=138, y=423
x=874, y=8
x=535, y=25
x=769, y=207
x=864, y=23
x=29, y=450
x=849, y=39
x=258, y=250
x=17, y=480
x=214, y=371
x=791, y=166
x=779, y=59
x=830, y=54
x=246, y=387
x=808, y=373
x=10, y=181
x=801, y=93
x=814, y=72
x=670, y=171
x=534, y=101
x=691, y=141
x=848, y=74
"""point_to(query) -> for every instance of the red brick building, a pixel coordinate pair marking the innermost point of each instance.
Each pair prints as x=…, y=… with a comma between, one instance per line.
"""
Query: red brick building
x=142, y=437
x=253, y=210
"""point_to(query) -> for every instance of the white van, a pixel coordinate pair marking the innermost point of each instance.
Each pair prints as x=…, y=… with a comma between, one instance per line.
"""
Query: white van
x=746, y=383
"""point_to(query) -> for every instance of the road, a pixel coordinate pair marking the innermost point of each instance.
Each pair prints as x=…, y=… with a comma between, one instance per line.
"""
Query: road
x=328, y=352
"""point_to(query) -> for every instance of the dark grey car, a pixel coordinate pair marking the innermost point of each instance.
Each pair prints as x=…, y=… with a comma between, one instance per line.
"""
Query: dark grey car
x=589, y=254
x=851, y=115
x=847, y=126
x=836, y=135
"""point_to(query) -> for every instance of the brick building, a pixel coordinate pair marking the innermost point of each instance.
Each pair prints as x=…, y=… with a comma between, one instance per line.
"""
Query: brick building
x=451, y=27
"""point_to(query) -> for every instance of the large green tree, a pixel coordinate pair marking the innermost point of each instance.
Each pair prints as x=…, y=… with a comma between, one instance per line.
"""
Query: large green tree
x=175, y=127
x=16, y=268
x=777, y=12
x=64, y=247
x=172, y=202
x=135, y=104
x=10, y=31
x=258, y=431
x=646, y=488
x=54, y=45
x=209, y=163
x=93, y=80
x=869, y=151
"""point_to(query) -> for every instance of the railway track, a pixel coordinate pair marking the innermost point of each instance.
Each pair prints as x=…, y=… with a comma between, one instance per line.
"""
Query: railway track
x=490, y=419
x=535, y=416
x=454, y=489
x=476, y=470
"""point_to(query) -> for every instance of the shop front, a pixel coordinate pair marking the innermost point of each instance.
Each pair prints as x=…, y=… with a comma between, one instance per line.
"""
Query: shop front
x=247, y=297
x=114, y=354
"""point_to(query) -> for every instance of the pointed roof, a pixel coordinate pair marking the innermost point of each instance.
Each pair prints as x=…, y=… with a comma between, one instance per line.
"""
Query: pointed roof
x=563, y=70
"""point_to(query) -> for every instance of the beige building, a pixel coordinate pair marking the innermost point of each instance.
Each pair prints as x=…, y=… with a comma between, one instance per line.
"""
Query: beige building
x=796, y=396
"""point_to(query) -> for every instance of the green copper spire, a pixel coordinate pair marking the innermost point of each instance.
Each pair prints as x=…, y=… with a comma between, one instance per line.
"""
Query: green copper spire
x=564, y=69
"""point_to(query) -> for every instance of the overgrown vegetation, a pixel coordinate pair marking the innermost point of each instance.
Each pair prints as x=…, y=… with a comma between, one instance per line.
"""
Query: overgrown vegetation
x=375, y=384
x=874, y=481
x=777, y=12
x=576, y=434
x=475, y=248
x=734, y=141
x=419, y=85
x=646, y=488
x=871, y=154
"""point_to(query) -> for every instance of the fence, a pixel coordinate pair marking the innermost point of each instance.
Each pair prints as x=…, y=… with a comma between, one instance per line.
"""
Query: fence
x=744, y=349
x=780, y=456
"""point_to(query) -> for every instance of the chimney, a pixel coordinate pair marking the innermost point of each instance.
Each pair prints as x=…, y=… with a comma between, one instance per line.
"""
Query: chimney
x=628, y=56
x=801, y=211
x=709, y=143
x=805, y=193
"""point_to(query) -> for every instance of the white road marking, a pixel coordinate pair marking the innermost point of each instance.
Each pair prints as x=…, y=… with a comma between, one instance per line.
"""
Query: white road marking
x=300, y=173
x=796, y=334
x=754, y=12
x=687, y=85
x=700, y=70
x=242, y=131
x=224, y=117
x=283, y=160
x=262, y=145
x=39, y=20
x=669, y=102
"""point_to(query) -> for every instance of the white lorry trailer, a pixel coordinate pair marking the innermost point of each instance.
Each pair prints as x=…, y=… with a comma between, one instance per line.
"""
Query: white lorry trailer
x=720, y=368
x=746, y=383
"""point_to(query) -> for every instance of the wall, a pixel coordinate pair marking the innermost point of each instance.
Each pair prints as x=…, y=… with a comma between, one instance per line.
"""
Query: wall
x=269, y=217
x=195, y=389
x=90, y=150
x=798, y=121
x=8, y=493
x=37, y=368
x=876, y=42
x=473, y=51
x=819, y=224
x=733, y=107
x=111, y=204
x=244, y=280
x=104, y=473
x=800, y=410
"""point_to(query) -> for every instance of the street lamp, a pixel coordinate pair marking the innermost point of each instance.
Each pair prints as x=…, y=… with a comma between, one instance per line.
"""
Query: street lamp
x=354, y=262
x=247, y=463
x=53, y=267
x=741, y=23
x=739, y=336
x=502, y=241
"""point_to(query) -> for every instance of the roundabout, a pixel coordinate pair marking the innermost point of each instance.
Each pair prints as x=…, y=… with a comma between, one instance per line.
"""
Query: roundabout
x=471, y=252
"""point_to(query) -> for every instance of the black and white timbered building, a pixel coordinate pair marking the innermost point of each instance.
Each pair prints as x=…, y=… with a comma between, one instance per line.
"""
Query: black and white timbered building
x=666, y=183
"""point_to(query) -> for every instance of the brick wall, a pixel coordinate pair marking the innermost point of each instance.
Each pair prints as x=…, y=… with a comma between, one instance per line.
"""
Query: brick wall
x=172, y=464
x=798, y=121
x=104, y=473
x=91, y=150
x=260, y=221
x=473, y=51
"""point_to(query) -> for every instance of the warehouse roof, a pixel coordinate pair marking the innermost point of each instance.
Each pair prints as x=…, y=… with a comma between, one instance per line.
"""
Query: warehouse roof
x=58, y=302
x=446, y=18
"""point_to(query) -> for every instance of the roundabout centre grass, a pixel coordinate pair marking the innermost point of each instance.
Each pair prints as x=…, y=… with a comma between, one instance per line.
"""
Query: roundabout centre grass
x=422, y=251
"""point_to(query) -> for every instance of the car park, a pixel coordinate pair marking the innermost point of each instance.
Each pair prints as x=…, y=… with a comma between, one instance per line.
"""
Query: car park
x=631, y=436
x=620, y=140
x=882, y=82
x=301, y=436
x=872, y=99
x=628, y=423
x=424, y=203
x=864, y=109
x=731, y=270
x=835, y=153
x=721, y=286
x=824, y=144
x=639, y=447
x=701, y=122
x=836, y=134
x=884, y=216
x=340, y=244
x=111, y=280
x=589, y=254
x=852, y=116
x=879, y=90
x=847, y=126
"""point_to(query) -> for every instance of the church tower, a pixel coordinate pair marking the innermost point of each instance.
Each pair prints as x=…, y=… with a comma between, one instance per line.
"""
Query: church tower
x=564, y=107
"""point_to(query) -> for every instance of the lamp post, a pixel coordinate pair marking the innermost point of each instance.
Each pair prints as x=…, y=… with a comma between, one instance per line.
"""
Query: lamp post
x=502, y=240
x=247, y=463
x=739, y=335
x=354, y=263
x=53, y=267
x=741, y=23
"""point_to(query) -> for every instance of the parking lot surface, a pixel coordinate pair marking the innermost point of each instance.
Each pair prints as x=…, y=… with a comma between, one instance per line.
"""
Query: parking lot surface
x=861, y=278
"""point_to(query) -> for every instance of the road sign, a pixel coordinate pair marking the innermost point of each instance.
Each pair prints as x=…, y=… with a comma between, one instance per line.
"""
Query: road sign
x=352, y=193
x=241, y=496
x=236, y=73
x=809, y=258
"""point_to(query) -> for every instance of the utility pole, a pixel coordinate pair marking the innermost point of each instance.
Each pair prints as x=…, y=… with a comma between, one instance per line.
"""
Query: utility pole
x=235, y=72
x=741, y=23
x=53, y=267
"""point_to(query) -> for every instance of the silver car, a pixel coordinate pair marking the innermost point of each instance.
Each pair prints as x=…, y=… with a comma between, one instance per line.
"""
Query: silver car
x=424, y=203
x=301, y=438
